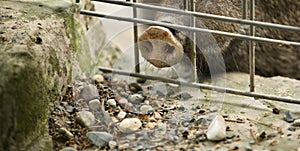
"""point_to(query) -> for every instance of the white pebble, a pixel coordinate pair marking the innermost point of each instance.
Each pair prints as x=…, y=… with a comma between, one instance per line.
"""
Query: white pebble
x=98, y=78
x=145, y=109
x=121, y=115
x=296, y=123
x=112, y=144
x=112, y=102
x=217, y=129
x=130, y=125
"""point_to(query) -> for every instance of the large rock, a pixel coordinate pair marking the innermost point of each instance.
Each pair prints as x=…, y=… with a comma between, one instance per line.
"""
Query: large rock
x=38, y=42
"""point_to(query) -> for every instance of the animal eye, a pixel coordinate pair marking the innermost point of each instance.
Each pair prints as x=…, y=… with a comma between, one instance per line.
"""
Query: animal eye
x=169, y=48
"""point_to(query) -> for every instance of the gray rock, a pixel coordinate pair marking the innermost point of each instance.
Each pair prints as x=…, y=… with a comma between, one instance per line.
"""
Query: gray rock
x=289, y=117
x=68, y=149
x=100, y=139
x=89, y=92
x=123, y=101
x=292, y=128
x=86, y=118
x=130, y=125
x=136, y=98
x=217, y=129
x=145, y=109
x=69, y=108
x=112, y=102
x=95, y=105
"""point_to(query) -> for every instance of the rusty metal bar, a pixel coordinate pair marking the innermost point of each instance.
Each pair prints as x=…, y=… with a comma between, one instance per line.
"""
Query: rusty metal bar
x=135, y=37
x=228, y=34
x=203, y=86
x=203, y=15
x=252, y=47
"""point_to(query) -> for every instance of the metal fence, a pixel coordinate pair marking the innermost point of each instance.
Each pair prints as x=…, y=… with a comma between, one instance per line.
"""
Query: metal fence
x=251, y=38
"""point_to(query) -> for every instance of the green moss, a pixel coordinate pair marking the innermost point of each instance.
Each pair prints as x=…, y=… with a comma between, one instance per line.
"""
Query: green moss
x=23, y=80
x=71, y=25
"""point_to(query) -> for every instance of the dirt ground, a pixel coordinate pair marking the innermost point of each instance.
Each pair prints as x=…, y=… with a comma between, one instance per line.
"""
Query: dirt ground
x=178, y=120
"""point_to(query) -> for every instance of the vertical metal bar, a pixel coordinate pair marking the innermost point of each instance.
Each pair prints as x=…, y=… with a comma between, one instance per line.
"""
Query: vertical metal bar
x=244, y=7
x=185, y=5
x=194, y=44
x=135, y=37
x=252, y=47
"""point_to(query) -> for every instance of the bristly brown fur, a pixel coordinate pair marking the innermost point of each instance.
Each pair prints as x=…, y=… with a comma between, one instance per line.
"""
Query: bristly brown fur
x=271, y=59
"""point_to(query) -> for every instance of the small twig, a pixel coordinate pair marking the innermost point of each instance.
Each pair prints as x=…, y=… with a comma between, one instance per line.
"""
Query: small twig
x=259, y=122
x=232, y=120
x=253, y=134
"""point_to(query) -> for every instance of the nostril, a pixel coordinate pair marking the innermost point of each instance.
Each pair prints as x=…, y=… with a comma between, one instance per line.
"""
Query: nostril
x=169, y=48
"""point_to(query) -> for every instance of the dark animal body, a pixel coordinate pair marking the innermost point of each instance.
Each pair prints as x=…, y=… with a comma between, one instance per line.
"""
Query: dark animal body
x=271, y=59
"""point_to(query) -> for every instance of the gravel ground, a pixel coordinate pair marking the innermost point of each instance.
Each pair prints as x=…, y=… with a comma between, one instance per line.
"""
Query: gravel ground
x=102, y=113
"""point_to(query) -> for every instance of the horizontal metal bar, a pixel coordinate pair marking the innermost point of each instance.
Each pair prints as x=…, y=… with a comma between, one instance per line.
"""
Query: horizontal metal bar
x=228, y=34
x=203, y=86
x=203, y=15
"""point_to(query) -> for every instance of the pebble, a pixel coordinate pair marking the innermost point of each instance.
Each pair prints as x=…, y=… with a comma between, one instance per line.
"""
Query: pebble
x=66, y=132
x=95, y=105
x=288, y=117
x=130, y=125
x=112, y=144
x=69, y=108
x=228, y=141
x=98, y=78
x=136, y=98
x=123, y=102
x=111, y=102
x=276, y=111
x=121, y=115
x=157, y=115
x=248, y=148
x=184, y=96
x=252, y=142
x=68, y=149
x=144, y=109
x=100, y=139
x=271, y=135
x=151, y=125
x=135, y=87
x=123, y=146
x=89, y=92
x=292, y=128
x=86, y=118
x=296, y=123
x=202, y=138
x=217, y=129
x=230, y=136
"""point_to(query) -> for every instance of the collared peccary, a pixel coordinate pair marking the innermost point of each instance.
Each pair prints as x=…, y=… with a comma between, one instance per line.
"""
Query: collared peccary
x=164, y=46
